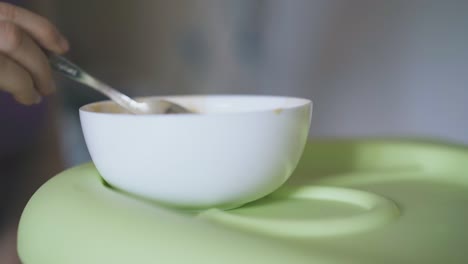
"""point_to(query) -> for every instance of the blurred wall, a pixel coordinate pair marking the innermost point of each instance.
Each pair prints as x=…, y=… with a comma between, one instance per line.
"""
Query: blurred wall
x=372, y=68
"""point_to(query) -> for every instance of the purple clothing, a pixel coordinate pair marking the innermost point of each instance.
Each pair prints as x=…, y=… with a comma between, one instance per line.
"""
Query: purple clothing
x=19, y=125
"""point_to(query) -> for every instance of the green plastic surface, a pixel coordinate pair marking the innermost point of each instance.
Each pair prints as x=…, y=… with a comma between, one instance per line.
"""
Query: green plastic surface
x=373, y=201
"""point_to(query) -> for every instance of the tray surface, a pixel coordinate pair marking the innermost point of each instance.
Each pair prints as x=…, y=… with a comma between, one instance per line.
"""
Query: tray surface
x=364, y=201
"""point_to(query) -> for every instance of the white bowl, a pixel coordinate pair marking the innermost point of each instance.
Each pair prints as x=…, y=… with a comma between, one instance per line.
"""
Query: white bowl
x=239, y=149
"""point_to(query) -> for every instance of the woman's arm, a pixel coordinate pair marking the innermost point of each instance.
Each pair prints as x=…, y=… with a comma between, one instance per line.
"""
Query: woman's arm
x=33, y=167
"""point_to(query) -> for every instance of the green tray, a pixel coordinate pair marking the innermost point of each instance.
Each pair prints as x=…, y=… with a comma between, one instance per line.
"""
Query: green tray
x=369, y=201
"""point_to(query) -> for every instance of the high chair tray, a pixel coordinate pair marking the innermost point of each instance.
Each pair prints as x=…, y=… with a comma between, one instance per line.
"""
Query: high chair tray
x=361, y=201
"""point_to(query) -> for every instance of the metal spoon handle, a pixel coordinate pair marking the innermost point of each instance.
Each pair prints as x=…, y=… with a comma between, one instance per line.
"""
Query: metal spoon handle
x=75, y=73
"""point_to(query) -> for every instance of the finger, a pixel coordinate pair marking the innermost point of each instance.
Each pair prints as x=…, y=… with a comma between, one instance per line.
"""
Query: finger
x=17, y=81
x=42, y=31
x=21, y=48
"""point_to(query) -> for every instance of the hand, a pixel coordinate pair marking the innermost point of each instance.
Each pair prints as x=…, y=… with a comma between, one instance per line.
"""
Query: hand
x=24, y=67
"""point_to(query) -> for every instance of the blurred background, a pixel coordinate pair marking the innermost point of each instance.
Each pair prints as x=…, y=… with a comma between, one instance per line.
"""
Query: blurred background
x=372, y=68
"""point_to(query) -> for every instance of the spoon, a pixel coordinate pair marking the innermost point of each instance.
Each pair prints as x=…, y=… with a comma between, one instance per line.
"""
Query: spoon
x=70, y=70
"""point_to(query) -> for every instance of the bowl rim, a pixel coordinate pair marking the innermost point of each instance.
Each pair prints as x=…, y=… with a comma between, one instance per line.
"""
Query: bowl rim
x=301, y=102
